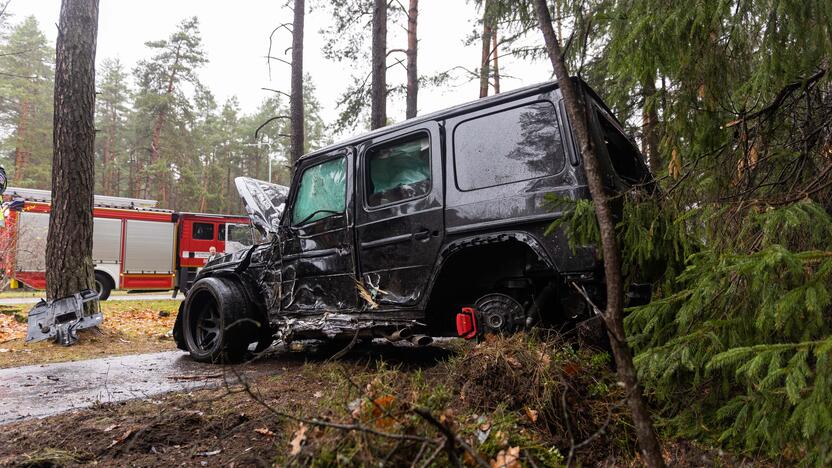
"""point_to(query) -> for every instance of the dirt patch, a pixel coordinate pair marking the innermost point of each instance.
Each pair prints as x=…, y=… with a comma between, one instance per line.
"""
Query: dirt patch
x=381, y=404
x=130, y=327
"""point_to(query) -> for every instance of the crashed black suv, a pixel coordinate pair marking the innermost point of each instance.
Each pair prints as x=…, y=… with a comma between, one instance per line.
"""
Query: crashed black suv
x=431, y=227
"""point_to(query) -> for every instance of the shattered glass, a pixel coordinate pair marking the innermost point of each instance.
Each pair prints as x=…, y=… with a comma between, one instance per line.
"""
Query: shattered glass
x=399, y=171
x=322, y=192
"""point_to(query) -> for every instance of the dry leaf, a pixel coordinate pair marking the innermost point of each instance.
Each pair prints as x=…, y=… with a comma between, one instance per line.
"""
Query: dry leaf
x=509, y=458
x=531, y=414
x=122, y=438
x=513, y=362
x=265, y=431
x=110, y=428
x=298, y=439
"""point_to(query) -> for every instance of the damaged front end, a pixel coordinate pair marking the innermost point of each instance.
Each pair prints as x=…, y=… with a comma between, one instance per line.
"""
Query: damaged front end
x=60, y=319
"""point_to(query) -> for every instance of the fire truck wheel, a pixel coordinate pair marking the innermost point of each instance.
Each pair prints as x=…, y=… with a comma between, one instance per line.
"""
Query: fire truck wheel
x=215, y=322
x=103, y=285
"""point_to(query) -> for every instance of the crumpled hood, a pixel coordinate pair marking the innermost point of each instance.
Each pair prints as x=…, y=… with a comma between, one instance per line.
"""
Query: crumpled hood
x=263, y=201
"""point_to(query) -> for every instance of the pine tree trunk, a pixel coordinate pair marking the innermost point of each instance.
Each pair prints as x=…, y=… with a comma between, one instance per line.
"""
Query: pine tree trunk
x=21, y=154
x=412, y=55
x=107, y=159
x=496, y=51
x=296, y=100
x=156, y=138
x=613, y=316
x=650, y=119
x=485, y=71
x=69, y=265
x=378, y=91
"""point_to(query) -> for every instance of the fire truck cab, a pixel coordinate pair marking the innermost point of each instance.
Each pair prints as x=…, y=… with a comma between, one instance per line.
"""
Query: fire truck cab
x=135, y=245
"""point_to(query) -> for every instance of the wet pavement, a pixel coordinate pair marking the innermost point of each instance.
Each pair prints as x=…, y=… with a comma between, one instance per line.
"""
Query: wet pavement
x=127, y=297
x=43, y=390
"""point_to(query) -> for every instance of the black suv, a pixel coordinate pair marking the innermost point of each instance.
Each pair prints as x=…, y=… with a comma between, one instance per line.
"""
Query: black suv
x=431, y=227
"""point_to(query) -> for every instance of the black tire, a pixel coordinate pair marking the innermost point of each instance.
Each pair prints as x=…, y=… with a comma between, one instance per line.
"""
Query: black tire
x=103, y=285
x=215, y=322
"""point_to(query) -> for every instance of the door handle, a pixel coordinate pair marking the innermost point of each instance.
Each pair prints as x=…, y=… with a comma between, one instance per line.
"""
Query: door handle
x=421, y=234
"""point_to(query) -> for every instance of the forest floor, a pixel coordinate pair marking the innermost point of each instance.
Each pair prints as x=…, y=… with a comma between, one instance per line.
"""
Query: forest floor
x=129, y=327
x=505, y=402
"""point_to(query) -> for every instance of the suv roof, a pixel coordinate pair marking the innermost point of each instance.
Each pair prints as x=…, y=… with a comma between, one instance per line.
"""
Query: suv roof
x=538, y=88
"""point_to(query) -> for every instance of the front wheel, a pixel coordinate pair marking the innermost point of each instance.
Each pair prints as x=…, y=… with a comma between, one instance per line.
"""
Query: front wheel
x=216, y=323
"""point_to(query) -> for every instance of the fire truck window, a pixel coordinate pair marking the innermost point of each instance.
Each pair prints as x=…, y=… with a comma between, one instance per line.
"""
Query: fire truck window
x=398, y=171
x=203, y=231
x=221, y=232
x=238, y=234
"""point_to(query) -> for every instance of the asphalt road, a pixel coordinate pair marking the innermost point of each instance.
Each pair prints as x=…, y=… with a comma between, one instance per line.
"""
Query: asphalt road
x=127, y=297
x=43, y=390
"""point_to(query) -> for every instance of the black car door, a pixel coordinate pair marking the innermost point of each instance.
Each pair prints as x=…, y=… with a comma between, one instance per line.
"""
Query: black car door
x=399, y=215
x=317, y=239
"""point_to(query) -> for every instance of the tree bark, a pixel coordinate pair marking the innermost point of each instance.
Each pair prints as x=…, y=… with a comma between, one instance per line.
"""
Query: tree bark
x=69, y=265
x=496, y=52
x=378, y=91
x=485, y=71
x=650, y=120
x=106, y=166
x=412, y=55
x=296, y=99
x=613, y=316
x=156, y=138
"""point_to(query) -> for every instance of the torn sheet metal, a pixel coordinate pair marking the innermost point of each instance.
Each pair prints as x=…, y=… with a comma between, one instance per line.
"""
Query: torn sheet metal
x=59, y=320
x=331, y=325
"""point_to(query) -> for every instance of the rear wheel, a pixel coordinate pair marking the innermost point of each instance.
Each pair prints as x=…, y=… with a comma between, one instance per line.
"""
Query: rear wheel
x=215, y=325
x=103, y=285
x=500, y=313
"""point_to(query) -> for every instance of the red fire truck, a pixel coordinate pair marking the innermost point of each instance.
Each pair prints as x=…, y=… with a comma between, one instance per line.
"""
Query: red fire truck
x=135, y=245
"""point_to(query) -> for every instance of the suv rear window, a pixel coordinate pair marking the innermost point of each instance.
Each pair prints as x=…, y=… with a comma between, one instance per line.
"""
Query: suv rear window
x=398, y=171
x=508, y=146
x=623, y=155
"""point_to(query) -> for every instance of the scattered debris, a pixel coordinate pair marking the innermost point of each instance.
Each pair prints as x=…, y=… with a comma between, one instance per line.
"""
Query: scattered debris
x=121, y=438
x=264, y=431
x=195, y=377
x=60, y=319
x=209, y=454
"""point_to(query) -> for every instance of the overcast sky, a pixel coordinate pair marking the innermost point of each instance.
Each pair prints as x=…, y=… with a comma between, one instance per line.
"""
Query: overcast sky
x=235, y=37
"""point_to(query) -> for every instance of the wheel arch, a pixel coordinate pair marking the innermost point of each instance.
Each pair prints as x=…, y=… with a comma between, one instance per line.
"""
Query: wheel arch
x=480, y=258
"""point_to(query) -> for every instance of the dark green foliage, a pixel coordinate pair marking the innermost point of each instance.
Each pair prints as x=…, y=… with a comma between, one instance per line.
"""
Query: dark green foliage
x=737, y=346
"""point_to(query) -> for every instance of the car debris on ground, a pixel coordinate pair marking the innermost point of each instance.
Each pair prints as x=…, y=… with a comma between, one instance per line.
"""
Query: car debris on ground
x=59, y=320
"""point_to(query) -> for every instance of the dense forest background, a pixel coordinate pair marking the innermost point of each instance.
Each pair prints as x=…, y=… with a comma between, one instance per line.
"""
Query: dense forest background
x=161, y=134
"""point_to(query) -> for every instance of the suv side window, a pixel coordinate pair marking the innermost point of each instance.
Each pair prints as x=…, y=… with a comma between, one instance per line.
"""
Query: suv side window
x=398, y=171
x=322, y=192
x=509, y=146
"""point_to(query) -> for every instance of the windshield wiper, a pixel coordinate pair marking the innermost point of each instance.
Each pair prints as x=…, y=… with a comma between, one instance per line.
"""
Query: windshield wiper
x=312, y=215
